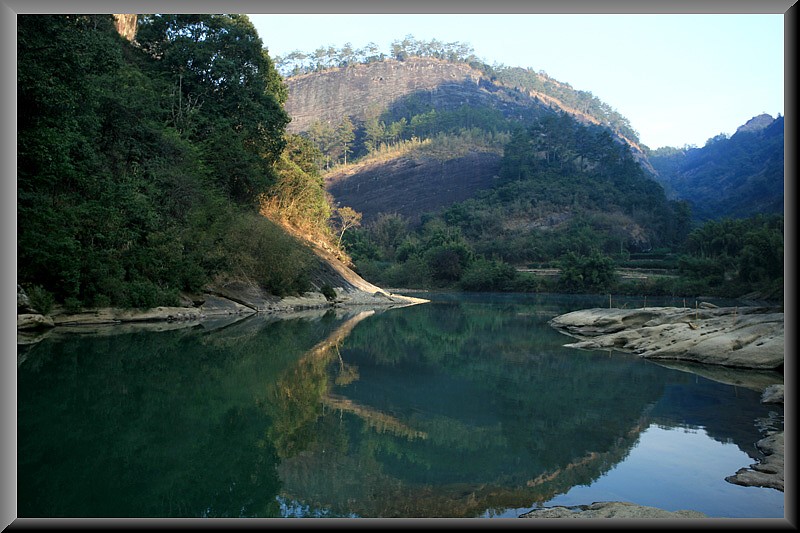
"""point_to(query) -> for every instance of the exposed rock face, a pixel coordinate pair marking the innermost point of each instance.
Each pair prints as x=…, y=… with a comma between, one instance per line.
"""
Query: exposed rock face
x=756, y=123
x=610, y=510
x=747, y=337
x=358, y=90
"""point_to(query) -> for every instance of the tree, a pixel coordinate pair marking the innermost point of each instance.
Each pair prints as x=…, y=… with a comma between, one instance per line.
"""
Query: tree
x=345, y=135
x=347, y=218
x=218, y=61
x=374, y=133
x=586, y=273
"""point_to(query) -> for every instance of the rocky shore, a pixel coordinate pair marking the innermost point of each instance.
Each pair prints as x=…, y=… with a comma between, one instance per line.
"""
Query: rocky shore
x=230, y=301
x=610, y=510
x=744, y=337
x=706, y=340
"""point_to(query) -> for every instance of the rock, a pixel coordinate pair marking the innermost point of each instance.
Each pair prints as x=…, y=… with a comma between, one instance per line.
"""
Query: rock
x=746, y=337
x=32, y=321
x=773, y=394
x=769, y=471
x=23, y=302
x=610, y=510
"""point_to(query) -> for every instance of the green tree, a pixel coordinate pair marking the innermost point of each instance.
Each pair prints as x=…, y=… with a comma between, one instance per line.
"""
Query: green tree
x=345, y=136
x=218, y=61
x=586, y=273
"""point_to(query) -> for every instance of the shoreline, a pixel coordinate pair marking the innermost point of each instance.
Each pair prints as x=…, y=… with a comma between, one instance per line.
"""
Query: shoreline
x=734, y=345
x=230, y=303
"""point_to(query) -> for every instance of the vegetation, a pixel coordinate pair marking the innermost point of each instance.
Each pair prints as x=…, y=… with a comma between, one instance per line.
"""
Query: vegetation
x=150, y=169
x=141, y=168
x=571, y=198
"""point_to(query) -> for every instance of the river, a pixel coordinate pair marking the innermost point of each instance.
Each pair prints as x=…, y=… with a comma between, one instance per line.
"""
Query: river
x=468, y=406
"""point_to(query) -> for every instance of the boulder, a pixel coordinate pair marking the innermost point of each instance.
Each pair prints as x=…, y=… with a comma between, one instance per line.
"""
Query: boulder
x=745, y=337
x=32, y=321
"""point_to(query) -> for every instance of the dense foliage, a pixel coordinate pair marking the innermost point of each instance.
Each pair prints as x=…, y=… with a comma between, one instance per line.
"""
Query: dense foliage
x=563, y=188
x=140, y=167
x=736, y=256
x=571, y=198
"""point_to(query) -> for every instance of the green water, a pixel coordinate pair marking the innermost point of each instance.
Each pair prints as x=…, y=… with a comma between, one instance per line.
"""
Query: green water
x=468, y=406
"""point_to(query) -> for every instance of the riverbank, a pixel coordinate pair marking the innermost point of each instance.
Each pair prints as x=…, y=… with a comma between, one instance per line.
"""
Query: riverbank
x=706, y=340
x=743, y=337
x=229, y=302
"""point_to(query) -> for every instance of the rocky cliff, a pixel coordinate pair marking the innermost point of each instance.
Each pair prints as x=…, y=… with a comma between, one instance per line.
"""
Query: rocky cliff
x=355, y=91
x=390, y=89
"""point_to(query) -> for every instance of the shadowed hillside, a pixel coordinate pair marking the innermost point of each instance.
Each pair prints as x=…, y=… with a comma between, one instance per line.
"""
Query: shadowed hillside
x=738, y=176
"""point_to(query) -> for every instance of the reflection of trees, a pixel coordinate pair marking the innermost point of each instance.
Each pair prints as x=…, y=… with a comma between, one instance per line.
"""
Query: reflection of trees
x=294, y=401
x=375, y=420
x=154, y=424
x=508, y=417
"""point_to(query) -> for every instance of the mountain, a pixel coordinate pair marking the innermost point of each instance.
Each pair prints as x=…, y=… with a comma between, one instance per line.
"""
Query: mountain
x=737, y=176
x=425, y=124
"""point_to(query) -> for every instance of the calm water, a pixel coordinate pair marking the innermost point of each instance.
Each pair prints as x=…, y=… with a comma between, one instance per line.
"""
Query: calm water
x=465, y=407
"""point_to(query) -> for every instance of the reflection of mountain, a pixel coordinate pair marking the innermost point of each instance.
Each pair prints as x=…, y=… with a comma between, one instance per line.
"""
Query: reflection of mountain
x=509, y=416
x=709, y=407
x=446, y=409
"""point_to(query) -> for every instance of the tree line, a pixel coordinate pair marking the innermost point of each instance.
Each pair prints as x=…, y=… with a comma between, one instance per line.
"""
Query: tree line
x=298, y=62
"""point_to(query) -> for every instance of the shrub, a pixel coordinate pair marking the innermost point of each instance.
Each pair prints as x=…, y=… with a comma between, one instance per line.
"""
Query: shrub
x=41, y=299
x=328, y=292
x=488, y=275
x=594, y=272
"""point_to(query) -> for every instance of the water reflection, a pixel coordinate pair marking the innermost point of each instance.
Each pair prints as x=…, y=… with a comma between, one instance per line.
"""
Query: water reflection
x=446, y=409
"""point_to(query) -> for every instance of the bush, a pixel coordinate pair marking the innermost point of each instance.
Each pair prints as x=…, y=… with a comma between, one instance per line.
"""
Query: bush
x=488, y=275
x=41, y=299
x=328, y=292
x=591, y=273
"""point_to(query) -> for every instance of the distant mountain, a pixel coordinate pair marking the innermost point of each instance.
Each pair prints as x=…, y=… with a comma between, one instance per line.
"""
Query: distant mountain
x=736, y=176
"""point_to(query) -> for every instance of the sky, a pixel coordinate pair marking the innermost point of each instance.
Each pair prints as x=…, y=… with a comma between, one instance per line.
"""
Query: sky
x=679, y=79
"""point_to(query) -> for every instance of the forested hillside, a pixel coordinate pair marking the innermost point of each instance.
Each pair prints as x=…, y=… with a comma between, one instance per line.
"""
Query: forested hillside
x=152, y=169
x=457, y=61
x=142, y=166
x=736, y=176
x=468, y=173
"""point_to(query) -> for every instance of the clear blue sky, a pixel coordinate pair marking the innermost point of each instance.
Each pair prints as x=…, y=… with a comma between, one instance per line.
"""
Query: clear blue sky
x=679, y=78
